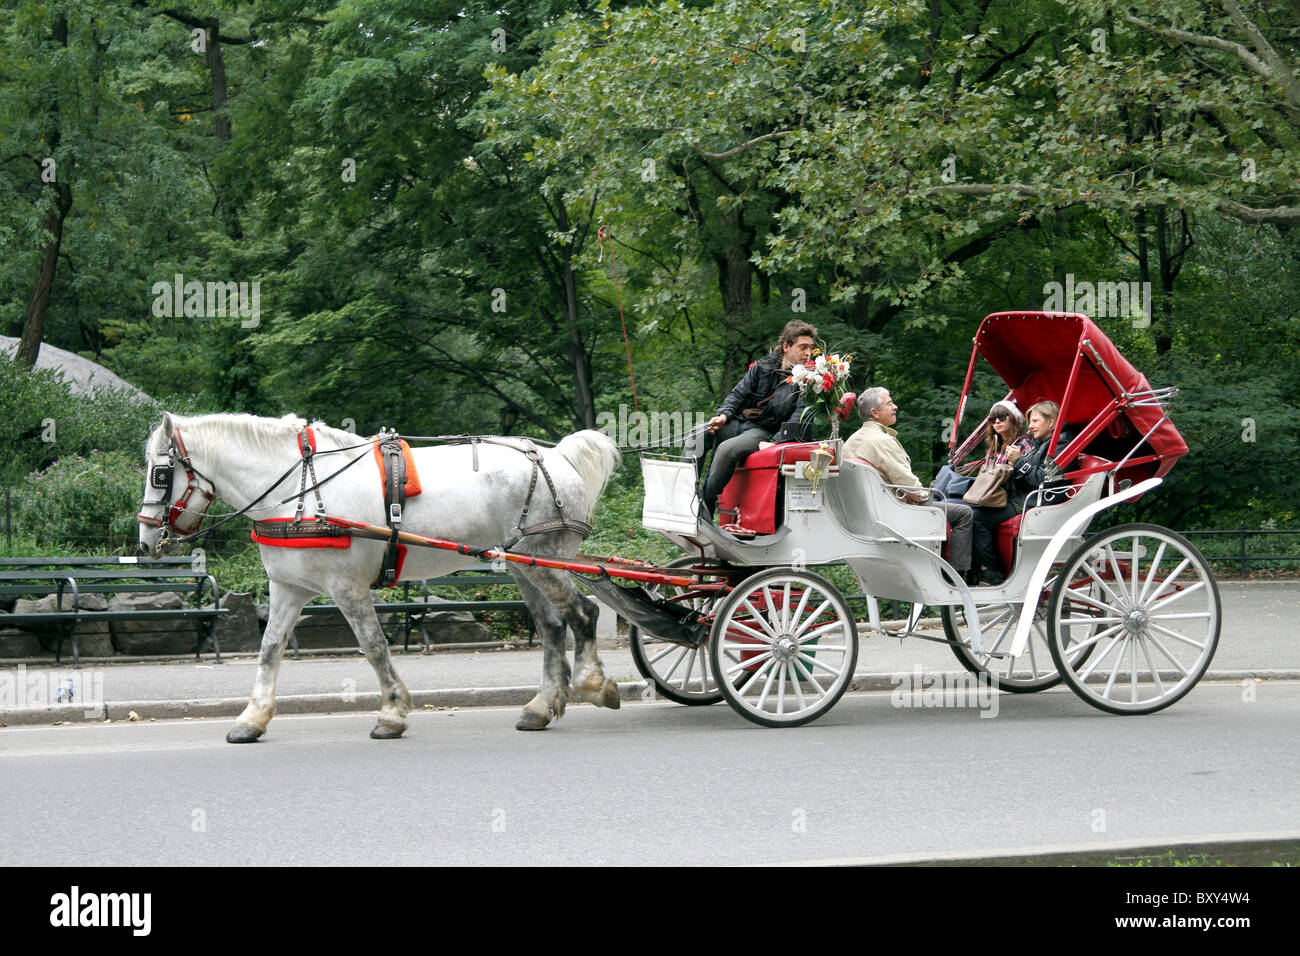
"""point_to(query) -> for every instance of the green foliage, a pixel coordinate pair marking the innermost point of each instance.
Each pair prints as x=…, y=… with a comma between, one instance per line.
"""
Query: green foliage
x=88, y=502
x=41, y=420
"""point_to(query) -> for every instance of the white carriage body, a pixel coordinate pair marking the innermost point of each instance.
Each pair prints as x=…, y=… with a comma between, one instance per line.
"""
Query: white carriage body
x=853, y=516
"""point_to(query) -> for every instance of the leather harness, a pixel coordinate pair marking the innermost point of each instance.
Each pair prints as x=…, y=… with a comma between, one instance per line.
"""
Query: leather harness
x=394, y=463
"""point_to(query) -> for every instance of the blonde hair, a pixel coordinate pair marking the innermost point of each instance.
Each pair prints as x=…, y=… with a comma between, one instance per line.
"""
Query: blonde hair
x=1046, y=409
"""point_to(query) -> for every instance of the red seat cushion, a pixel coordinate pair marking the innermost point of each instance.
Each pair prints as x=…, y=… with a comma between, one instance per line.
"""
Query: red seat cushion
x=1007, y=532
x=753, y=488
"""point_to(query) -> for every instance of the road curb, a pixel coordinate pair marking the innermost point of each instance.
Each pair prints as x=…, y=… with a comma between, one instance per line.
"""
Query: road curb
x=451, y=697
x=1238, y=849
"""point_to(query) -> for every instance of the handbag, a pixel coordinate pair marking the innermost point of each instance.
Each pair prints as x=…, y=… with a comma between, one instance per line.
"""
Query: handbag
x=989, y=488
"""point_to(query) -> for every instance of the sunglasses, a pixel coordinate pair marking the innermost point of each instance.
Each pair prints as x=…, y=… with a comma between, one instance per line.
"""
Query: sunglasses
x=999, y=416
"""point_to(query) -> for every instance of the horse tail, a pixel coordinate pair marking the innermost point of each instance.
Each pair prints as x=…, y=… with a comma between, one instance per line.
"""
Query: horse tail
x=594, y=456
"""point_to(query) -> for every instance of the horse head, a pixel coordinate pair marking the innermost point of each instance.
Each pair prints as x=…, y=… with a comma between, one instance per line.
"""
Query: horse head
x=175, y=500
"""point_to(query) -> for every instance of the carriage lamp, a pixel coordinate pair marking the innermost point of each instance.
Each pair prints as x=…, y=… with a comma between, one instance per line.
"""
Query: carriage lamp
x=817, y=464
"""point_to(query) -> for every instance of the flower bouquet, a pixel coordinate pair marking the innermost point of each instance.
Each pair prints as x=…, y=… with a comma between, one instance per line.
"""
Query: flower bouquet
x=823, y=381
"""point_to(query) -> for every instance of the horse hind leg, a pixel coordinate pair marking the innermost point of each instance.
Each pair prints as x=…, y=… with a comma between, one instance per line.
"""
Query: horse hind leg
x=286, y=604
x=394, y=699
x=589, y=674
x=548, y=704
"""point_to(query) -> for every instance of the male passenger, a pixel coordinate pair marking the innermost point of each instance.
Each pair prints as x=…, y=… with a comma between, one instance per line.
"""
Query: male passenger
x=877, y=444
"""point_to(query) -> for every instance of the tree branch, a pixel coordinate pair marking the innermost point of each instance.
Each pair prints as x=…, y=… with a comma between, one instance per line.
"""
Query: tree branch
x=743, y=146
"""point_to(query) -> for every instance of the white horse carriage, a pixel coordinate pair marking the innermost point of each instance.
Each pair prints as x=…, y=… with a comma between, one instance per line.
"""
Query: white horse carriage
x=1128, y=618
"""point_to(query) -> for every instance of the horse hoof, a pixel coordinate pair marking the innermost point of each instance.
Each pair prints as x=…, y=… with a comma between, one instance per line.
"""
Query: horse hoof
x=243, y=734
x=531, y=721
x=609, y=696
x=385, y=732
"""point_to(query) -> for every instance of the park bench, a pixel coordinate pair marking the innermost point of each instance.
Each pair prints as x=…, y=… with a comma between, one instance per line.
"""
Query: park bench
x=71, y=578
x=411, y=611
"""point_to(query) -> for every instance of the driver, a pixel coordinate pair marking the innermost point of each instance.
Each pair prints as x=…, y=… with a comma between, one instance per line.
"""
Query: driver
x=765, y=408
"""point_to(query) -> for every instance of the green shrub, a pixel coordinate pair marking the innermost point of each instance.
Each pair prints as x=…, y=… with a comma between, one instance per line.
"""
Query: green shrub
x=41, y=420
x=82, y=502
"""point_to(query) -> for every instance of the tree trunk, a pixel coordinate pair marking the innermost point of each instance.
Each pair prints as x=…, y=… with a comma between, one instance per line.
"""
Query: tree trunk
x=29, y=345
x=574, y=349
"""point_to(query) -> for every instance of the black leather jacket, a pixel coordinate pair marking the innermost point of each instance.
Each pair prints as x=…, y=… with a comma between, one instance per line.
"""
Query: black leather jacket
x=784, y=408
x=1034, y=468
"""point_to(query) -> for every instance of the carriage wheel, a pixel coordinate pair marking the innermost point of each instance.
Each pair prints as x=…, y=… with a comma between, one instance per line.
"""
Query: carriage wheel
x=1032, y=671
x=682, y=674
x=1149, y=608
x=784, y=644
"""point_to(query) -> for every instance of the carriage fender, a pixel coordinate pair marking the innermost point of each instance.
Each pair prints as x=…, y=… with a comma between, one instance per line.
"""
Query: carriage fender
x=1054, y=547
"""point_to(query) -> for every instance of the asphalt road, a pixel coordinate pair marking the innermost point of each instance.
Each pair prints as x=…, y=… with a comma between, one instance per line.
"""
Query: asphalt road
x=653, y=784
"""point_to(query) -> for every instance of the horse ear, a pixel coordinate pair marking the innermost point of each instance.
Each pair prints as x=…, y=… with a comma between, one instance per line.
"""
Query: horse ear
x=167, y=425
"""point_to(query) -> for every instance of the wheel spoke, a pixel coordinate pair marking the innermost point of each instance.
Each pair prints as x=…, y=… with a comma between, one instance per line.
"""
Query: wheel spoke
x=762, y=621
x=803, y=602
x=808, y=674
x=809, y=659
x=1096, y=660
x=1151, y=574
x=668, y=649
x=746, y=629
x=795, y=632
x=1155, y=674
x=1125, y=597
x=1133, y=570
x=1098, y=636
x=676, y=664
x=1176, y=596
x=795, y=683
x=767, y=685
x=758, y=672
x=1163, y=650
x=1119, y=662
x=1189, y=616
x=753, y=662
x=813, y=635
x=1088, y=569
x=1178, y=637
x=1076, y=596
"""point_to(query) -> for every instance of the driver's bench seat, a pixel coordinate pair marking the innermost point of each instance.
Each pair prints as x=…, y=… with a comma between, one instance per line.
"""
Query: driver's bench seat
x=753, y=498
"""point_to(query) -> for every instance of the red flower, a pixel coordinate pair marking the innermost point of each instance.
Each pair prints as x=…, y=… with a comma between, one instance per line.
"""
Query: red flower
x=828, y=382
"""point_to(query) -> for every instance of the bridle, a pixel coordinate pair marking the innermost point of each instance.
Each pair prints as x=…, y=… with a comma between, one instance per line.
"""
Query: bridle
x=180, y=520
x=186, y=514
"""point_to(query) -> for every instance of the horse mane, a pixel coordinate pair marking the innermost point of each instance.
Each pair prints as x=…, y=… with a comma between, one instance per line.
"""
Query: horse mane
x=270, y=435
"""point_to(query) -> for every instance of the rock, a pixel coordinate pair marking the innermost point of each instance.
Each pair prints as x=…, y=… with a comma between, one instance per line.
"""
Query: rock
x=321, y=631
x=444, y=627
x=15, y=643
x=151, y=637
x=239, y=630
x=93, y=637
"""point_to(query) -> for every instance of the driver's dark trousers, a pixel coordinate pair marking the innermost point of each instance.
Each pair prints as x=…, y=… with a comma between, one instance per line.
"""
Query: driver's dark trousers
x=733, y=442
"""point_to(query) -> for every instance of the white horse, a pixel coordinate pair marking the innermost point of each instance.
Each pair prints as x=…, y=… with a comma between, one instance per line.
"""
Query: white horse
x=471, y=494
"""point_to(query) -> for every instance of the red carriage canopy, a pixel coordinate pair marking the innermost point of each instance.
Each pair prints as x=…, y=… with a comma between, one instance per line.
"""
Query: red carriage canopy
x=1065, y=358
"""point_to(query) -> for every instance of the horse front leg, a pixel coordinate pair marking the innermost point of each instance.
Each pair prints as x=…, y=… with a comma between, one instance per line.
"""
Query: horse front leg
x=286, y=604
x=357, y=605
